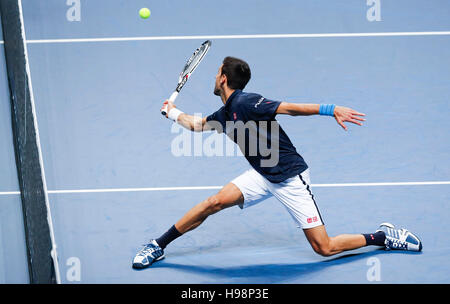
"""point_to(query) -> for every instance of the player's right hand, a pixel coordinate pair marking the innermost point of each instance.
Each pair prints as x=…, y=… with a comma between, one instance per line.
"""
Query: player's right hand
x=170, y=105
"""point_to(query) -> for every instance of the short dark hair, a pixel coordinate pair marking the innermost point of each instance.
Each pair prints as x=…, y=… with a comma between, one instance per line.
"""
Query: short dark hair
x=237, y=72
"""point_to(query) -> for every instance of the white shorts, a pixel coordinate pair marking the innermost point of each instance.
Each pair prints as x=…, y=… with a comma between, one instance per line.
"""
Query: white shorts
x=294, y=193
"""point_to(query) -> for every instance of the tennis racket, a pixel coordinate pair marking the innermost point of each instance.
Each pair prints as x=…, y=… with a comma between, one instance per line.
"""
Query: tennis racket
x=188, y=69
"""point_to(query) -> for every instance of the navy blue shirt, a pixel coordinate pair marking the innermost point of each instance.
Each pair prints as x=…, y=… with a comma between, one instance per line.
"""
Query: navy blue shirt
x=249, y=120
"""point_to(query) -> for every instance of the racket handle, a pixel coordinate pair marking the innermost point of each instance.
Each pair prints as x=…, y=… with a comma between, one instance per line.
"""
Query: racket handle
x=171, y=99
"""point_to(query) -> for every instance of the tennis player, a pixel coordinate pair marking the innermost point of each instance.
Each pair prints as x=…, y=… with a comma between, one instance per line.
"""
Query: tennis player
x=282, y=173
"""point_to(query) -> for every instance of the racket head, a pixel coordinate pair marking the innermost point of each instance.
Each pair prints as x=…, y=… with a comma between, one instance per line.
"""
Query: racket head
x=193, y=63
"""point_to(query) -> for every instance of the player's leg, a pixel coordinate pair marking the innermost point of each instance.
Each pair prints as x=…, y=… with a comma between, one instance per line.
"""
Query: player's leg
x=295, y=194
x=386, y=235
x=245, y=190
x=228, y=196
x=326, y=246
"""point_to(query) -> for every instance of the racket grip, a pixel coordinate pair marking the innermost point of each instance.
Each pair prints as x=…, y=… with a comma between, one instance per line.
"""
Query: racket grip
x=171, y=99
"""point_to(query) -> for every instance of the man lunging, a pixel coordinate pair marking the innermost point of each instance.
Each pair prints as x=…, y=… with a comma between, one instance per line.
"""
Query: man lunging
x=248, y=119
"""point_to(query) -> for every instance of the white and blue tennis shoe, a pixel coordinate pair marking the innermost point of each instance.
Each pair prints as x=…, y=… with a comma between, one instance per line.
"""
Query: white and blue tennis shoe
x=151, y=252
x=400, y=239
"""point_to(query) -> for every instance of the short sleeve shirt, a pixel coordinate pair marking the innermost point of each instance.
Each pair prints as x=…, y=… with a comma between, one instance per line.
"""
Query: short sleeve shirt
x=249, y=120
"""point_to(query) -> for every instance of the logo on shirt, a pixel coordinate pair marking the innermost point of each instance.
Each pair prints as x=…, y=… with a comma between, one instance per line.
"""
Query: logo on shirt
x=234, y=116
x=259, y=102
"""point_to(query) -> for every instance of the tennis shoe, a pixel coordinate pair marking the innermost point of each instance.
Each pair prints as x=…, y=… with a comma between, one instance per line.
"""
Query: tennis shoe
x=151, y=253
x=399, y=239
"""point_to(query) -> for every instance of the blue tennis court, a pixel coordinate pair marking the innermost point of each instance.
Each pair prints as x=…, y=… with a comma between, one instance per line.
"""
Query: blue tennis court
x=100, y=74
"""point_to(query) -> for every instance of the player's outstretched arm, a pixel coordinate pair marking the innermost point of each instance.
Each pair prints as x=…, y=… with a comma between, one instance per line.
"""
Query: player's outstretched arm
x=190, y=122
x=341, y=114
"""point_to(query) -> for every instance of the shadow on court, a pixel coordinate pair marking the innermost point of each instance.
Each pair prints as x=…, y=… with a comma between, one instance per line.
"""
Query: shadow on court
x=272, y=273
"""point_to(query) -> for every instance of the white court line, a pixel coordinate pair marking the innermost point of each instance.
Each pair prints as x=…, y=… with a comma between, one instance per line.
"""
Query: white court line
x=381, y=184
x=10, y=193
x=256, y=36
x=134, y=189
x=220, y=187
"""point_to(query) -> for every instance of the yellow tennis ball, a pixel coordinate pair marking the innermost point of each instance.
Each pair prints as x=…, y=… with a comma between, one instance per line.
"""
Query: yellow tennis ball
x=144, y=13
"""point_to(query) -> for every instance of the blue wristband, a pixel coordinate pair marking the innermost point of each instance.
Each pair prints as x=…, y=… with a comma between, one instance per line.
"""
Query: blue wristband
x=327, y=109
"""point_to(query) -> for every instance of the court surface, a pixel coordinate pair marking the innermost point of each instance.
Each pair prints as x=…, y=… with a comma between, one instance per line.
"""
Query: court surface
x=114, y=180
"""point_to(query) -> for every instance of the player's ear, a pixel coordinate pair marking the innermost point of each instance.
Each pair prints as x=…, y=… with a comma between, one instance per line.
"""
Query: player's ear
x=223, y=79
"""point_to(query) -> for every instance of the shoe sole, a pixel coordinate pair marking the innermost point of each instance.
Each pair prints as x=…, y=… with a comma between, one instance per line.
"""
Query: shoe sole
x=140, y=266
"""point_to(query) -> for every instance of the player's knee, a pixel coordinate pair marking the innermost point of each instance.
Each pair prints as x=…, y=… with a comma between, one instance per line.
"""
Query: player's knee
x=322, y=248
x=214, y=204
x=323, y=251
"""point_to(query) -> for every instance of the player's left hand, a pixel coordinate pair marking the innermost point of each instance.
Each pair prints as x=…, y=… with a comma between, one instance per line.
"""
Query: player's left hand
x=343, y=114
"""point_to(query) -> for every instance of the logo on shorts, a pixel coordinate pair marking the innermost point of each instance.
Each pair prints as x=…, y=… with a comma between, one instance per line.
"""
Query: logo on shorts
x=312, y=219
